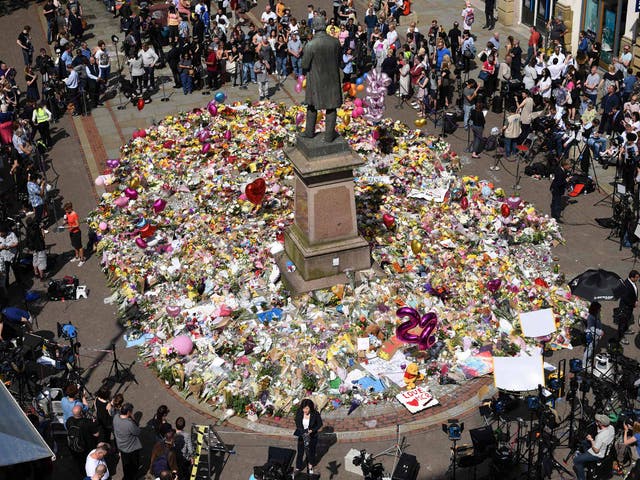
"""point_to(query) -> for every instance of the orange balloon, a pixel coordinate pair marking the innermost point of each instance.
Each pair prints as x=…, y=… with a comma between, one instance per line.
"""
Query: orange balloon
x=352, y=91
x=360, y=88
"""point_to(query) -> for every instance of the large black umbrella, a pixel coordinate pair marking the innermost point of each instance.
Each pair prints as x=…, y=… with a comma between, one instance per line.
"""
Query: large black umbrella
x=595, y=285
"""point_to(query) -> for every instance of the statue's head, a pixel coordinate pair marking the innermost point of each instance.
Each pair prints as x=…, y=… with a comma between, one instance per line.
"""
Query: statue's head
x=319, y=23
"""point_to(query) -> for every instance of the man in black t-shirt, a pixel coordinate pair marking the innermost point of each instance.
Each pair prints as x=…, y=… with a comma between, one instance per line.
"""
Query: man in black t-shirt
x=82, y=435
x=24, y=42
x=49, y=12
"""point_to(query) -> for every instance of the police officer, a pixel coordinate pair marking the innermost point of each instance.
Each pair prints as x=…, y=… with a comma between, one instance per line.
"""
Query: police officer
x=40, y=118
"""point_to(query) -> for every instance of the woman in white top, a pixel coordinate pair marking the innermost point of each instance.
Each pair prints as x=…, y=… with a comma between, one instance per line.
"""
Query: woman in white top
x=137, y=71
x=392, y=36
x=530, y=75
x=544, y=84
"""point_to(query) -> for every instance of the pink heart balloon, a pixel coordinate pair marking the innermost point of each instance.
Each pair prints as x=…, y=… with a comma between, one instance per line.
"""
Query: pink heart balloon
x=227, y=135
x=159, y=205
x=299, y=118
x=206, y=147
x=121, y=201
x=173, y=310
x=141, y=242
x=212, y=108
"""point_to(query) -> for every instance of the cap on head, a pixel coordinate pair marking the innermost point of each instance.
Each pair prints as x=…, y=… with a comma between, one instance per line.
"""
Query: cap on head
x=603, y=420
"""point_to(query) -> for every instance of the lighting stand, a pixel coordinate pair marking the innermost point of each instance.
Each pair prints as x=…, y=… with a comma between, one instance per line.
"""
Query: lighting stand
x=121, y=106
x=164, y=95
x=397, y=449
x=119, y=372
x=454, y=458
x=517, y=185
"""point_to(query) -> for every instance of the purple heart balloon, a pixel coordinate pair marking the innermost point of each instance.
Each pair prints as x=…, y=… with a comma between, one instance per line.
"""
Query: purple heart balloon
x=131, y=193
x=494, y=285
x=159, y=205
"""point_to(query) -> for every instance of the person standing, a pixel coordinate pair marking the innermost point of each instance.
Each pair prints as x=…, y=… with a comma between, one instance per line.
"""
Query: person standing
x=532, y=44
x=525, y=108
x=184, y=448
x=627, y=292
x=71, y=400
x=294, y=47
x=186, y=72
x=104, y=412
x=24, y=42
x=35, y=242
x=73, y=89
x=40, y=118
x=469, y=98
x=8, y=252
x=95, y=462
x=512, y=130
x=149, y=59
x=36, y=192
x=82, y=435
x=477, y=122
x=468, y=17
x=49, y=12
x=72, y=223
x=308, y=423
x=592, y=84
x=558, y=187
x=490, y=21
x=593, y=332
x=261, y=69
x=127, y=434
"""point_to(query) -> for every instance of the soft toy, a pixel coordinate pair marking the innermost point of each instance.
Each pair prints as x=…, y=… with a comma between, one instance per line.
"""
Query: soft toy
x=412, y=375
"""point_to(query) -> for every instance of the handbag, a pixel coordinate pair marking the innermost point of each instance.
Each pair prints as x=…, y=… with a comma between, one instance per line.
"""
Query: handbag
x=483, y=75
x=231, y=67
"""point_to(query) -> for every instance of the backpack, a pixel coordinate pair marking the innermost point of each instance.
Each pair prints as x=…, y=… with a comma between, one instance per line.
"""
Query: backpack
x=491, y=143
x=104, y=59
x=161, y=463
x=74, y=440
x=470, y=18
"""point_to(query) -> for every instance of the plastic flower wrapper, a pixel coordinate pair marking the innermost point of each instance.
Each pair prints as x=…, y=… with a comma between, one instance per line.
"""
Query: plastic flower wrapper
x=191, y=255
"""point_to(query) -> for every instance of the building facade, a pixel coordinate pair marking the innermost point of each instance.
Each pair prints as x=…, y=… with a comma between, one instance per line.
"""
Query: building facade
x=612, y=23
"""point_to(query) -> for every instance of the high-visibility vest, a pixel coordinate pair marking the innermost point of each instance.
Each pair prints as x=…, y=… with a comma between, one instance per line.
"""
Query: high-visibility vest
x=41, y=115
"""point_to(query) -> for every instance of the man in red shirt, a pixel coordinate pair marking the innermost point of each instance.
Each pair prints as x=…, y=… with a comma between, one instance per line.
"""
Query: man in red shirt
x=72, y=222
x=212, y=68
x=532, y=49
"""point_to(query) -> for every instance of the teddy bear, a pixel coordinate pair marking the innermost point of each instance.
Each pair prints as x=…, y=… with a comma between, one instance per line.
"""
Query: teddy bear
x=412, y=375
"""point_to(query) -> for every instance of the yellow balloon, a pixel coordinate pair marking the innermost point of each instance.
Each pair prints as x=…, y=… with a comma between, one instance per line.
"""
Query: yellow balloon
x=135, y=182
x=346, y=119
x=304, y=83
x=420, y=122
x=416, y=247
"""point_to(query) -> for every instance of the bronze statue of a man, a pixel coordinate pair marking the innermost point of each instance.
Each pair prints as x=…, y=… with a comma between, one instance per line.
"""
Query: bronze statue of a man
x=321, y=61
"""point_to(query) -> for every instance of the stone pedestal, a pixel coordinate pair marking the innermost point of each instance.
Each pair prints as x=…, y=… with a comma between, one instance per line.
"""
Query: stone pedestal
x=323, y=243
x=567, y=18
x=506, y=12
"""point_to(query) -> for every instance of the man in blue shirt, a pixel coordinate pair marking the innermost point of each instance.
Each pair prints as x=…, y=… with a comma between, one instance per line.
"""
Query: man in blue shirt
x=629, y=82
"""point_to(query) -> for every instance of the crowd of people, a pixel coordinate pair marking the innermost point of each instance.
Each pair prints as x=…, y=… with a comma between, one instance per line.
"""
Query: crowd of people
x=106, y=431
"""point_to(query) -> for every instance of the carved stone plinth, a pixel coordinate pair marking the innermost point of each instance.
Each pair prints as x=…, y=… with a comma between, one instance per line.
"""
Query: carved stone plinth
x=323, y=243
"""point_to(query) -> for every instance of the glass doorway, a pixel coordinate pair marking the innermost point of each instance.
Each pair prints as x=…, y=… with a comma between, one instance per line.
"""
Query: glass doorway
x=528, y=11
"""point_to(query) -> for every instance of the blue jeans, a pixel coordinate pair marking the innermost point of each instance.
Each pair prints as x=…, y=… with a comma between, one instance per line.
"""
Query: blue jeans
x=248, y=73
x=187, y=83
x=580, y=460
x=593, y=97
x=296, y=65
x=467, y=113
x=509, y=146
x=104, y=72
x=597, y=145
x=281, y=66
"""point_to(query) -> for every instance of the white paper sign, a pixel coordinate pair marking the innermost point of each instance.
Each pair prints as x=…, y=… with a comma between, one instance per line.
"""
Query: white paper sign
x=518, y=374
x=417, y=399
x=391, y=369
x=538, y=323
x=363, y=343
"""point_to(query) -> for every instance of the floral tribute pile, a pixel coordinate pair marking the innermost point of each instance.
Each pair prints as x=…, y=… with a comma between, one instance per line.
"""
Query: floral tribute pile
x=198, y=206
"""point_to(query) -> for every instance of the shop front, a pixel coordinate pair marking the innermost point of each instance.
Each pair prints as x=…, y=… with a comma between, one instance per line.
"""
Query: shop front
x=537, y=13
x=604, y=21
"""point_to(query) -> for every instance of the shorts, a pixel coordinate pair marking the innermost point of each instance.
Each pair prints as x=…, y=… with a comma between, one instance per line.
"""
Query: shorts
x=40, y=260
x=76, y=239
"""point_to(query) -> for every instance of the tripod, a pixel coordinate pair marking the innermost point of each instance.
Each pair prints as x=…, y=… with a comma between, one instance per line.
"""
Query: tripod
x=454, y=458
x=119, y=372
x=164, y=95
x=397, y=449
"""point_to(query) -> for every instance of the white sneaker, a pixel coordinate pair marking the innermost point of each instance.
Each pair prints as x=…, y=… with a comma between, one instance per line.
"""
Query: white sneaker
x=74, y=259
x=80, y=263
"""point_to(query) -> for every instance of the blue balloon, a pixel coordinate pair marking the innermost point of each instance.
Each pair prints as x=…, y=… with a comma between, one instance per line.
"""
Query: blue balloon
x=359, y=81
x=220, y=97
x=365, y=75
x=486, y=191
x=141, y=223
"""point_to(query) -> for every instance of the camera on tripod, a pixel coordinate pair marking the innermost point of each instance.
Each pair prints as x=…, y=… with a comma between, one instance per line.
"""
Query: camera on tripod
x=370, y=469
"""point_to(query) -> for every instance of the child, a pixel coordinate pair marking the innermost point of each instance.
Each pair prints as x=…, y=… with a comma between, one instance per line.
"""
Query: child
x=261, y=68
x=72, y=222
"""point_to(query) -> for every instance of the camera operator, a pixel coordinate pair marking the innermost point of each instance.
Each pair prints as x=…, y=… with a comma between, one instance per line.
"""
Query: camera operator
x=597, y=446
x=597, y=142
x=8, y=252
x=73, y=397
x=17, y=319
x=627, y=292
x=469, y=98
x=477, y=123
x=73, y=89
x=630, y=438
x=525, y=109
x=468, y=51
x=504, y=73
x=558, y=187
x=308, y=422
